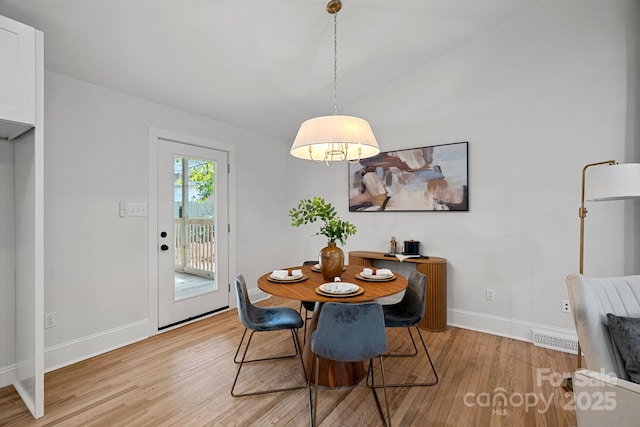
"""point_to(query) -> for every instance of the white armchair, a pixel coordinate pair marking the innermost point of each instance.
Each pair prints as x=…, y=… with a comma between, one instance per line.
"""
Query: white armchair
x=603, y=394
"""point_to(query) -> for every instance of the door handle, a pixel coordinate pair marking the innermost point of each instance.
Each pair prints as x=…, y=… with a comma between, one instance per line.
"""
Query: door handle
x=164, y=248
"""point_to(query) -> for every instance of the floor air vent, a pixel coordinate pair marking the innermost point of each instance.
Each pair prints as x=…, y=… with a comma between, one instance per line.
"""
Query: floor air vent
x=553, y=341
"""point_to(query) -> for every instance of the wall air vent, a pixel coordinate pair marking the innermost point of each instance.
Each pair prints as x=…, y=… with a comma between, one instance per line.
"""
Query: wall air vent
x=555, y=341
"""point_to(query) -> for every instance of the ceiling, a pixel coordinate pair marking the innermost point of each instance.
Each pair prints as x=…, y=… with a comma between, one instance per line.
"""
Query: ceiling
x=263, y=65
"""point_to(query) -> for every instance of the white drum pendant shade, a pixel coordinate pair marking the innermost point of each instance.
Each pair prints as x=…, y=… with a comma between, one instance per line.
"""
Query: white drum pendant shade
x=333, y=138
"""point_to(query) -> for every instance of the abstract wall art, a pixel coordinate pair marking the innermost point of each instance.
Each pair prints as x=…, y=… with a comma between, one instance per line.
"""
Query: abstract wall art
x=431, y=178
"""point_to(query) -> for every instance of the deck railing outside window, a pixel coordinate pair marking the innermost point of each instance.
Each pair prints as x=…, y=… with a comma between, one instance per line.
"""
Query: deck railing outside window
x=194, y=246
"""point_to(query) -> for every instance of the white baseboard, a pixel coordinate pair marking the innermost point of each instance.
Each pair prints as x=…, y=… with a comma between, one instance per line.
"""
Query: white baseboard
x=70, y=352
x=501, y=326
x=7, y=375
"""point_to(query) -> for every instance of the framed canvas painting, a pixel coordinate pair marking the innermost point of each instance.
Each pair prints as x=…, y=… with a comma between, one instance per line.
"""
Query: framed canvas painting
x=418, y=179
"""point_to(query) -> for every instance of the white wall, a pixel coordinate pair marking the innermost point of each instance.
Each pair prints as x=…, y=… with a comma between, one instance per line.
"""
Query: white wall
x=96, y=278
x=7, y=264
x=537, y=97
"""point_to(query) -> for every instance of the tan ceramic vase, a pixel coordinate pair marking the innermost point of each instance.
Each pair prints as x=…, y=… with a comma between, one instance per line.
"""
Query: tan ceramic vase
x=331, y=261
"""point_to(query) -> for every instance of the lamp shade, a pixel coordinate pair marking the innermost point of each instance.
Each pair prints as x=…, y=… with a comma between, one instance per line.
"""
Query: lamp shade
x=615, y=182
x=342, y=137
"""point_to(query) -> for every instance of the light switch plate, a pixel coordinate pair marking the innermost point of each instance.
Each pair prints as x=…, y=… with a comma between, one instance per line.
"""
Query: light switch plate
x=122, y=209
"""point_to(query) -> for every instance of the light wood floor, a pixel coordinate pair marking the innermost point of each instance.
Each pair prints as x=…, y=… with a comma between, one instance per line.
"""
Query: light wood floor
x=183, y=377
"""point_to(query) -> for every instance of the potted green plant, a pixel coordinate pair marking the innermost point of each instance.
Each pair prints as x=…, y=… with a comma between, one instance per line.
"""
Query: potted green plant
x=317, y=209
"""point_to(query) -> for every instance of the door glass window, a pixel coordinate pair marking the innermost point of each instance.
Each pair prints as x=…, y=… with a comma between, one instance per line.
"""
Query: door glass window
x=193, y=212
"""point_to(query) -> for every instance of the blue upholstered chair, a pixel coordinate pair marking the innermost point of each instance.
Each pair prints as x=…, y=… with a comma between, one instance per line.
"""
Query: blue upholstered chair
x=264, y=319
x=349, y=333
x=407, y=314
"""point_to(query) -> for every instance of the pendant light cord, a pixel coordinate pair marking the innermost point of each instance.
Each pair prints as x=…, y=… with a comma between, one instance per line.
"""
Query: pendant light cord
x=335, y=63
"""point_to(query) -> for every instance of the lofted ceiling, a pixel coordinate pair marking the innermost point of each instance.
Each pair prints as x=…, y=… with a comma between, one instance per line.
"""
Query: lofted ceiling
x=263, y=65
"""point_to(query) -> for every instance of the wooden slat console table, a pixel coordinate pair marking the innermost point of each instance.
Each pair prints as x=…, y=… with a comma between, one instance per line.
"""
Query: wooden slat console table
x=435, y=268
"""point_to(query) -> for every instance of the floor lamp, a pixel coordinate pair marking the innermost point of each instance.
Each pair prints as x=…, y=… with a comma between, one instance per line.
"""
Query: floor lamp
x=614, y=182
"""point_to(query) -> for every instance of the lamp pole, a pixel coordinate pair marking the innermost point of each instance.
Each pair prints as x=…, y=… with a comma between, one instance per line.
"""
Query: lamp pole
x=582, y=213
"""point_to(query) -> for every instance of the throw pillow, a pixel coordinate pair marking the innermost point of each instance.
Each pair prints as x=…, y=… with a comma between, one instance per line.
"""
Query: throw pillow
x=626, y=335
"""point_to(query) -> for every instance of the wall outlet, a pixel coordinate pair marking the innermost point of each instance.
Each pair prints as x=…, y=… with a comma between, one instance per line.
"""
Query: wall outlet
x=490, y=295
x=49, y=320
x=566, y=307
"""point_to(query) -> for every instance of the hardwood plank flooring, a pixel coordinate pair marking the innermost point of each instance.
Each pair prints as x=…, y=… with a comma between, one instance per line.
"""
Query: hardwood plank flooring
x=183, y=377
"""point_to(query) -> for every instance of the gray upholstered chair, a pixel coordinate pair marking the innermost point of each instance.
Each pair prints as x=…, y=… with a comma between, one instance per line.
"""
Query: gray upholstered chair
x=603, y=393
x=264, y=319
x=349, y=333
x=407, y=313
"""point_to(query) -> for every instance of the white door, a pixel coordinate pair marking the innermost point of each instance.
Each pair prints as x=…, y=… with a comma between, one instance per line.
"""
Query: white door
x=193, y=240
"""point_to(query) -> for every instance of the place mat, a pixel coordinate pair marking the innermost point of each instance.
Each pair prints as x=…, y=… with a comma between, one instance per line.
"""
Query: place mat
x=299, y=279
x=327, y=294
x=376, y=279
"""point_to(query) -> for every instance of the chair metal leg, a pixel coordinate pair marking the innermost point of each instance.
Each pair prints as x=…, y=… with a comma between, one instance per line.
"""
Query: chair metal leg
x=314, y=410
x=304, y=319
x=384, y=387
x=304, y=332
x=433, y=368
x=242, y=361
x=424, y=346
x=415, y=348
x=309, y=402
x=304, y=336
x=235, y=358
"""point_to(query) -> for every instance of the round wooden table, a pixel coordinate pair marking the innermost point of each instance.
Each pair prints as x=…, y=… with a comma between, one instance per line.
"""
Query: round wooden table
x=331, y=373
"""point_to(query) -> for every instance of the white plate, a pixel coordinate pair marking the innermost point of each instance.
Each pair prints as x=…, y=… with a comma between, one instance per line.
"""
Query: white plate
x=339, y=288
x=296, y=277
